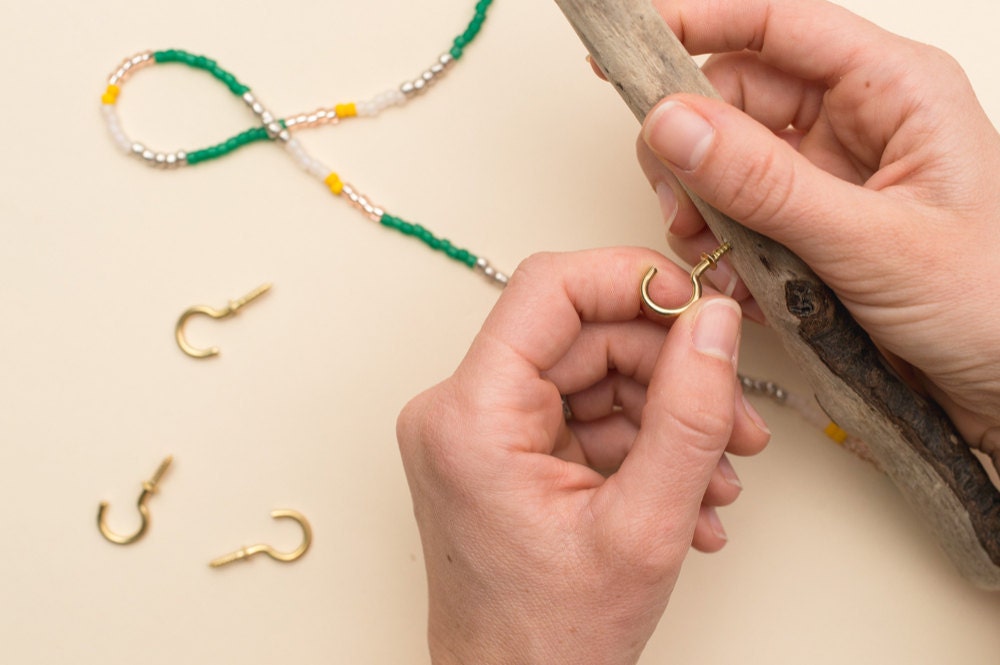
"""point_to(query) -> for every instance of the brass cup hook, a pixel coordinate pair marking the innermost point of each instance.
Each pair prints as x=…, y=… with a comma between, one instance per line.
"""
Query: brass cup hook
x=229, y=310
x=708, y=262
x=148, y=488
x=284, y=557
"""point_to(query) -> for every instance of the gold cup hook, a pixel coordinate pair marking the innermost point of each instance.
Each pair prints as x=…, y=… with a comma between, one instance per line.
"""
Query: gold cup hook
x=229, y=310
x=708, y=262
x=284, y=557
x=148, y=488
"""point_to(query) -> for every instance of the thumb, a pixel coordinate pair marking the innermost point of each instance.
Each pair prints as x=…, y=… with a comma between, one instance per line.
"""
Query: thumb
x=686, y=425
x=744, y=170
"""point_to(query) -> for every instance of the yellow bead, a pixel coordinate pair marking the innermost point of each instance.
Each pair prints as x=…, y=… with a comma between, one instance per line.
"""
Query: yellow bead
x=346, y=110
x=333, y=182
x=110, y=95
x=835, y=433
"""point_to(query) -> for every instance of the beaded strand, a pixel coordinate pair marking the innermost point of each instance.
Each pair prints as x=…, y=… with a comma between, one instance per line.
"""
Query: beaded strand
x=275, y=129
x=812, y=414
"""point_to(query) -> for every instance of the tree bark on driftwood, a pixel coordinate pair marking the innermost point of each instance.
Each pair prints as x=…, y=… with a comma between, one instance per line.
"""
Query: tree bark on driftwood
x=911, y=437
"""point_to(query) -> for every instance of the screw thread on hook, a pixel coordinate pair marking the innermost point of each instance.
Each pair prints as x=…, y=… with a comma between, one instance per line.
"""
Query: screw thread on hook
x=253, y=295
x=229, y=558
x=716, y=254
x=151, y=484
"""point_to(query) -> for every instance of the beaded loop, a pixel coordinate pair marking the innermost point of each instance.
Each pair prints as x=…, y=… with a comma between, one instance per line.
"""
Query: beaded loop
x=272, y=128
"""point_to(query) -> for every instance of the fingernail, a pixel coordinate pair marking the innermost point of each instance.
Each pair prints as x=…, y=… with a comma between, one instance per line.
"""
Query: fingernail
x=729, y=473
x=668, y=203
x=724, y=279
x=755, y=416
x=715, y=524
x=716, y=327
x=677, y=134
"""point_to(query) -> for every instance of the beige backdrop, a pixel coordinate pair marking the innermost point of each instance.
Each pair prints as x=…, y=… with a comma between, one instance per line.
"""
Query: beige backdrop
x=520, y=149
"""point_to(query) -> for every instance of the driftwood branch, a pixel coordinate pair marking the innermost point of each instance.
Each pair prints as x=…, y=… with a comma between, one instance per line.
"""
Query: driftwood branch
x=912, y=438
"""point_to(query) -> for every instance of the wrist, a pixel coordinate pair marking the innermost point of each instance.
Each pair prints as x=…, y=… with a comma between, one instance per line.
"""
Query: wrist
x=506, y=635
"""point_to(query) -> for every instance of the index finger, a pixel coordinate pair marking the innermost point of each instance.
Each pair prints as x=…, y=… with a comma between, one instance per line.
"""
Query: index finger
x=550, y=296
x=812, y=39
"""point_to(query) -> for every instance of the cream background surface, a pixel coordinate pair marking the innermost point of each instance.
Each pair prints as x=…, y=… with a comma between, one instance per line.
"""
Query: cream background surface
x=518, y=149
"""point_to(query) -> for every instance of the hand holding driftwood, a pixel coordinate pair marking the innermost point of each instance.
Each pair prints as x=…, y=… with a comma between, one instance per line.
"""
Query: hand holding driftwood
x=865, y=186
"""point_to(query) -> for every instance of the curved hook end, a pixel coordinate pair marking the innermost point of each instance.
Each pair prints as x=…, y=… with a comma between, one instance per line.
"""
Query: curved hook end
x=285, y=557
x=668, y=312
x=115, y=538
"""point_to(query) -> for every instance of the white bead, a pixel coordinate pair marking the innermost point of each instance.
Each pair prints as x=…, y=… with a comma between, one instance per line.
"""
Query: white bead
x=319, y=170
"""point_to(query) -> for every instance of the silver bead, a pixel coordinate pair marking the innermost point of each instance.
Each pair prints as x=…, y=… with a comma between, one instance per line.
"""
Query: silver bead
x=257, y=108
x=284, y=135
x=148, y=155
x=407, y=88
x=445, y=59
x=437, y=69
x=172, y=160
x=427, y=76
x=481, y=264
x=138, y=148
x=419, y=84
x=182, y=157
x=501, y=278
x=490, y=272
x=377, y=213
x=161, y=159
x=266, y=117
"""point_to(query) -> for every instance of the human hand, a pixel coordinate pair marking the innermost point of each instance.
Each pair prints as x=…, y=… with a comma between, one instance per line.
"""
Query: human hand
x=866, y=154
x=555, y=542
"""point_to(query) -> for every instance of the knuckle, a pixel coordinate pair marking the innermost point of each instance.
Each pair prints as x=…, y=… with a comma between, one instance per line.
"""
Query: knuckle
x=703, y=427
x=422, y=428
x=756, y=189
x=535, y=266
